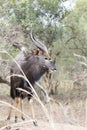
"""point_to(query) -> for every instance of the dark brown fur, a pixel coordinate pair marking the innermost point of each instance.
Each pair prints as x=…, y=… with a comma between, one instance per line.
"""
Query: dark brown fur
x=34, y=67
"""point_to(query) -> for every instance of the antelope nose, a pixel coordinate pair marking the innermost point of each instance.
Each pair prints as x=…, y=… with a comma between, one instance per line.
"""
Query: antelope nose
x=55, y=69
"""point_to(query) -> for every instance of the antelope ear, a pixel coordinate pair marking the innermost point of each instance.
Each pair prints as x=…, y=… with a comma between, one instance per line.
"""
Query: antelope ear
x=36, y=51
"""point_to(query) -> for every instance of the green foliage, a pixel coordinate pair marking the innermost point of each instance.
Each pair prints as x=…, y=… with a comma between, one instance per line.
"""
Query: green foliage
x=64, y=32
x=44, y=15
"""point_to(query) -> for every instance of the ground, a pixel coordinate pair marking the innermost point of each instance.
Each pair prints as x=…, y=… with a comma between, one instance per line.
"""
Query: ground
x=56, y=115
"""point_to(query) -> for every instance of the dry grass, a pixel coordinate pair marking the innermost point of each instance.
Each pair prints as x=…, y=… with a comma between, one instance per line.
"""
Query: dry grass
x=69, y=116
x=65, y=112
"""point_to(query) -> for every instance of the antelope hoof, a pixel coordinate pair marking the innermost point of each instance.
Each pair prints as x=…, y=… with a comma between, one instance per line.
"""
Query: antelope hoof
x=8, y=118
x=35, y=123
x=16, y=119
x=8, y=127
x=23, y=118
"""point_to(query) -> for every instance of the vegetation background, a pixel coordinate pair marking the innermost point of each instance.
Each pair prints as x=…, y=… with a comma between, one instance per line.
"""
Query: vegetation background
x=62, y=26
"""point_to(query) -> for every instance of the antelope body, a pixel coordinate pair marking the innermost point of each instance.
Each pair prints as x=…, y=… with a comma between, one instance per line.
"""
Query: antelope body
x=32, y=67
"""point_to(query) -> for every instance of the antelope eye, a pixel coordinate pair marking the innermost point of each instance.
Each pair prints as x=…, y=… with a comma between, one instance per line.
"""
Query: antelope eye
x=46, y=58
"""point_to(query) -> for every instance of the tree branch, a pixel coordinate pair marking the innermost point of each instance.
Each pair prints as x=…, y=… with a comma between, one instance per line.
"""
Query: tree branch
x=73, y=37
x=4, y=81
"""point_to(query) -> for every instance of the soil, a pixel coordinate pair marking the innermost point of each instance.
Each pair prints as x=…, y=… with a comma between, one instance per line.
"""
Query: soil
x=60, y=115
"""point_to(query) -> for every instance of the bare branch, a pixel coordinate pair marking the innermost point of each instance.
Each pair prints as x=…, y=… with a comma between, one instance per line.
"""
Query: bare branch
x=73, y=37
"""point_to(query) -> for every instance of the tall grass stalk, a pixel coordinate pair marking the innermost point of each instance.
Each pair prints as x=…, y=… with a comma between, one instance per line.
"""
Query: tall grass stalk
x=48, y=115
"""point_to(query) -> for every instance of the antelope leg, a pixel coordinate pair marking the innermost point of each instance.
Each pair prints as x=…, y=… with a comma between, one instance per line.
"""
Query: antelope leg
x=32, y=112
x=17, y=101
x=10, y=110
x=22, y=109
